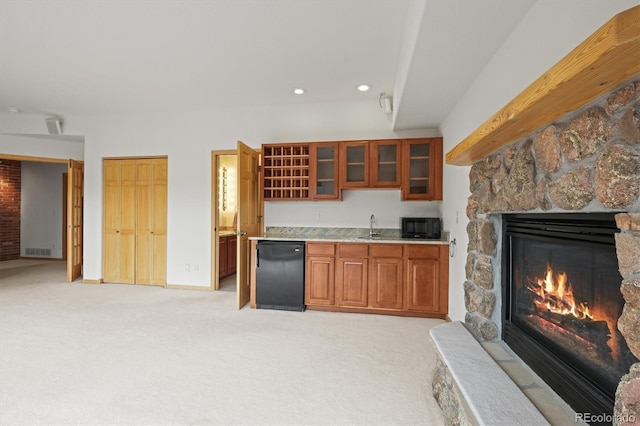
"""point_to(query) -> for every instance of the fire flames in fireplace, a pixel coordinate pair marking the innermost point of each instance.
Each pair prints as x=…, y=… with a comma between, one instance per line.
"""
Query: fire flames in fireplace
x=557, y=310
x=556, y=295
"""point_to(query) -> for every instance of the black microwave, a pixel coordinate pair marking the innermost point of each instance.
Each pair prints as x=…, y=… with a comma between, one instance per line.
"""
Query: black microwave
x=429, y=228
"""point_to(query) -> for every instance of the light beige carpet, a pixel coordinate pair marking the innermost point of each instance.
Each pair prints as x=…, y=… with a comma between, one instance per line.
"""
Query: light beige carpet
x=124, y=354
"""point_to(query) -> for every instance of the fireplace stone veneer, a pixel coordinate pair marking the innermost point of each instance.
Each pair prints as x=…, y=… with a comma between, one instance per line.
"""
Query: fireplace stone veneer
x=587, y=162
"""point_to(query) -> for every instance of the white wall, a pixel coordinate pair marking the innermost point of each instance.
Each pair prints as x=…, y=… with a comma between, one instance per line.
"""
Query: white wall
x=189, y=188
x=354, y=211
x=41, y=146
x=547, y=33
x=42, y=207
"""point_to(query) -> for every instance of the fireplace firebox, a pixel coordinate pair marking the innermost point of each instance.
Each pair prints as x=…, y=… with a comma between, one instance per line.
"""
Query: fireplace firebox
x=562, y=301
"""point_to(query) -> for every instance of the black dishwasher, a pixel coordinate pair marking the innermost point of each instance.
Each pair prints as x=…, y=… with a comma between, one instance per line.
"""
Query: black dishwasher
x=280, y=275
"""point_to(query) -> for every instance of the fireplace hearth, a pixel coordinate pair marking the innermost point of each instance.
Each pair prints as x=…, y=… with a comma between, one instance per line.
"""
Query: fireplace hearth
x=562, y=301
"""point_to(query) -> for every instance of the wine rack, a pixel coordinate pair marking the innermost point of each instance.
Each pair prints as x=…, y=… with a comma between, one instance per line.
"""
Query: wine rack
x=285, y=172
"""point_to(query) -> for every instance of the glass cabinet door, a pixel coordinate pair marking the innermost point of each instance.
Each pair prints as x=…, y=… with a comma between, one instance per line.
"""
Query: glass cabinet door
x=385, y=159
x=324, y=171
x=354, y=170
x=422, y=178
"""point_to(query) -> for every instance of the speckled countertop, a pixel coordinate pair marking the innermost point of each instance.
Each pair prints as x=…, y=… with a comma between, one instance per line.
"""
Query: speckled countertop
x=344, y=235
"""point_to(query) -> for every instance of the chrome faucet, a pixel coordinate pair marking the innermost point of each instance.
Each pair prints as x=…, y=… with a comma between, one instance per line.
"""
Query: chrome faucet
x=371, y=222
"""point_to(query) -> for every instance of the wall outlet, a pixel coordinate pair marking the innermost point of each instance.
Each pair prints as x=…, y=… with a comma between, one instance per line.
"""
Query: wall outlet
x=187, y=267
x=195, y=267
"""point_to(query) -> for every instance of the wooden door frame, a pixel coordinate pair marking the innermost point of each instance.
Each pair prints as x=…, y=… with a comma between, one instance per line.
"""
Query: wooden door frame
x=50, y=160
x=65, y=189
x=215, y=234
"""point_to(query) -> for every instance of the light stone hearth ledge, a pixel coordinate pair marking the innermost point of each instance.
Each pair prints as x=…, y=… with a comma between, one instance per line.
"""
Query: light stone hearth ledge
x=493, y=385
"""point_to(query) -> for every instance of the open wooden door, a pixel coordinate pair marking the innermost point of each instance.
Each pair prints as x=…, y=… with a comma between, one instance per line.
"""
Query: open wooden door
x=75, y=185
x=248, y=223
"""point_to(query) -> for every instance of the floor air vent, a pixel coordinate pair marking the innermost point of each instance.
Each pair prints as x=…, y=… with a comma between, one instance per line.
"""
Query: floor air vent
x=37, y=252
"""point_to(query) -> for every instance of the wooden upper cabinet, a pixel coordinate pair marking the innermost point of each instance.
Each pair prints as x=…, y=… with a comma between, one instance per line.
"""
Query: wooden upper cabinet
x=354, y=164
x=386, y=163
x=320, y=170
x=371, y=164
x=422, y=173
x=323, y=173
x=285, y=172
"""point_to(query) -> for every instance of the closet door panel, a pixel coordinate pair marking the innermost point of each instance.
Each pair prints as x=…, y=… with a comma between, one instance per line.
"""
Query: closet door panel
x=159, y=222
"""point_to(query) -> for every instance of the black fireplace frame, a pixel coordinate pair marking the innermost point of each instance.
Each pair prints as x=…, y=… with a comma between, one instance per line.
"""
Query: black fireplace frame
x=581, y=228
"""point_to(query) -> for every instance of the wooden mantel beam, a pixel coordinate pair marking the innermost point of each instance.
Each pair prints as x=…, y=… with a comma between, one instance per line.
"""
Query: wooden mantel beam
x=604, y=61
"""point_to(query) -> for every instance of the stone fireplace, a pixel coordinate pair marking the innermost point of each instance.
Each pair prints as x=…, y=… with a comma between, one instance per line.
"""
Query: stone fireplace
x=587, y=162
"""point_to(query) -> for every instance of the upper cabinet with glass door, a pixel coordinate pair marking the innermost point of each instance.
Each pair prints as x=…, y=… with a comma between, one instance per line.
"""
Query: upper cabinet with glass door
x=354, y=164
x=324, y=171
x=422, y=176
x=385, y=163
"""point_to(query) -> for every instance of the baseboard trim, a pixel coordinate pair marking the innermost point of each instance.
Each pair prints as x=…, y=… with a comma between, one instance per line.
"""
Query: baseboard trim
x=87, y=281
x=187, y=287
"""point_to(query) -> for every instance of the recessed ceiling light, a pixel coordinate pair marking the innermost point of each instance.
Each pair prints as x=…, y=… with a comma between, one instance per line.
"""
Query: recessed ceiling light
x=13, y=110
x=299, y=91
x=364, y=87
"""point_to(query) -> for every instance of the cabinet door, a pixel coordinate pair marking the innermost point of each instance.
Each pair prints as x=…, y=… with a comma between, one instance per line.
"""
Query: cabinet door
x=423, y=285
x=223, y=257
x=351, y=282
x=320, y=281
x=324, y=171
x=422, y=169
x=232, y=255
x=385, y=279
x=354, y=164
x=385, y=163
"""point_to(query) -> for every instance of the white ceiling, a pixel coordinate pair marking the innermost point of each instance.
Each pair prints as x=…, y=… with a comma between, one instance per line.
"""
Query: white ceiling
x=64, y=57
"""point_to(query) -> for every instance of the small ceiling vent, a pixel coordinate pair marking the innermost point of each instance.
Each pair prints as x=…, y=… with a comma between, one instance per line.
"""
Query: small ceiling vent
x=54, y=126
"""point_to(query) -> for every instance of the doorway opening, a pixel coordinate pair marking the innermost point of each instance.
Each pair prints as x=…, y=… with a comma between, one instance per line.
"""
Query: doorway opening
x=227, y=217
x=49, y=221
x=236, y=215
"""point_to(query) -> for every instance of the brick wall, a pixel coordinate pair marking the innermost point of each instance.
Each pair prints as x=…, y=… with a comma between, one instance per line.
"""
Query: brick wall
x=10, y=188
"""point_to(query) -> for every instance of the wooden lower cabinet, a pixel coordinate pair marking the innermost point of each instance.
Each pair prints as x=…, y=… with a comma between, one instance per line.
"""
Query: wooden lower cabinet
x=232, y=254
x=397, y=279
x=427, y=267
x=223, y=256
x=386, y=278
x=227, y=247
x=319, y=287
x=352, y=275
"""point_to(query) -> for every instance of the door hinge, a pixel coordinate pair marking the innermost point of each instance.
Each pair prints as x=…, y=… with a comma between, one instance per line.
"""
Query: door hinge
x=259, y=168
